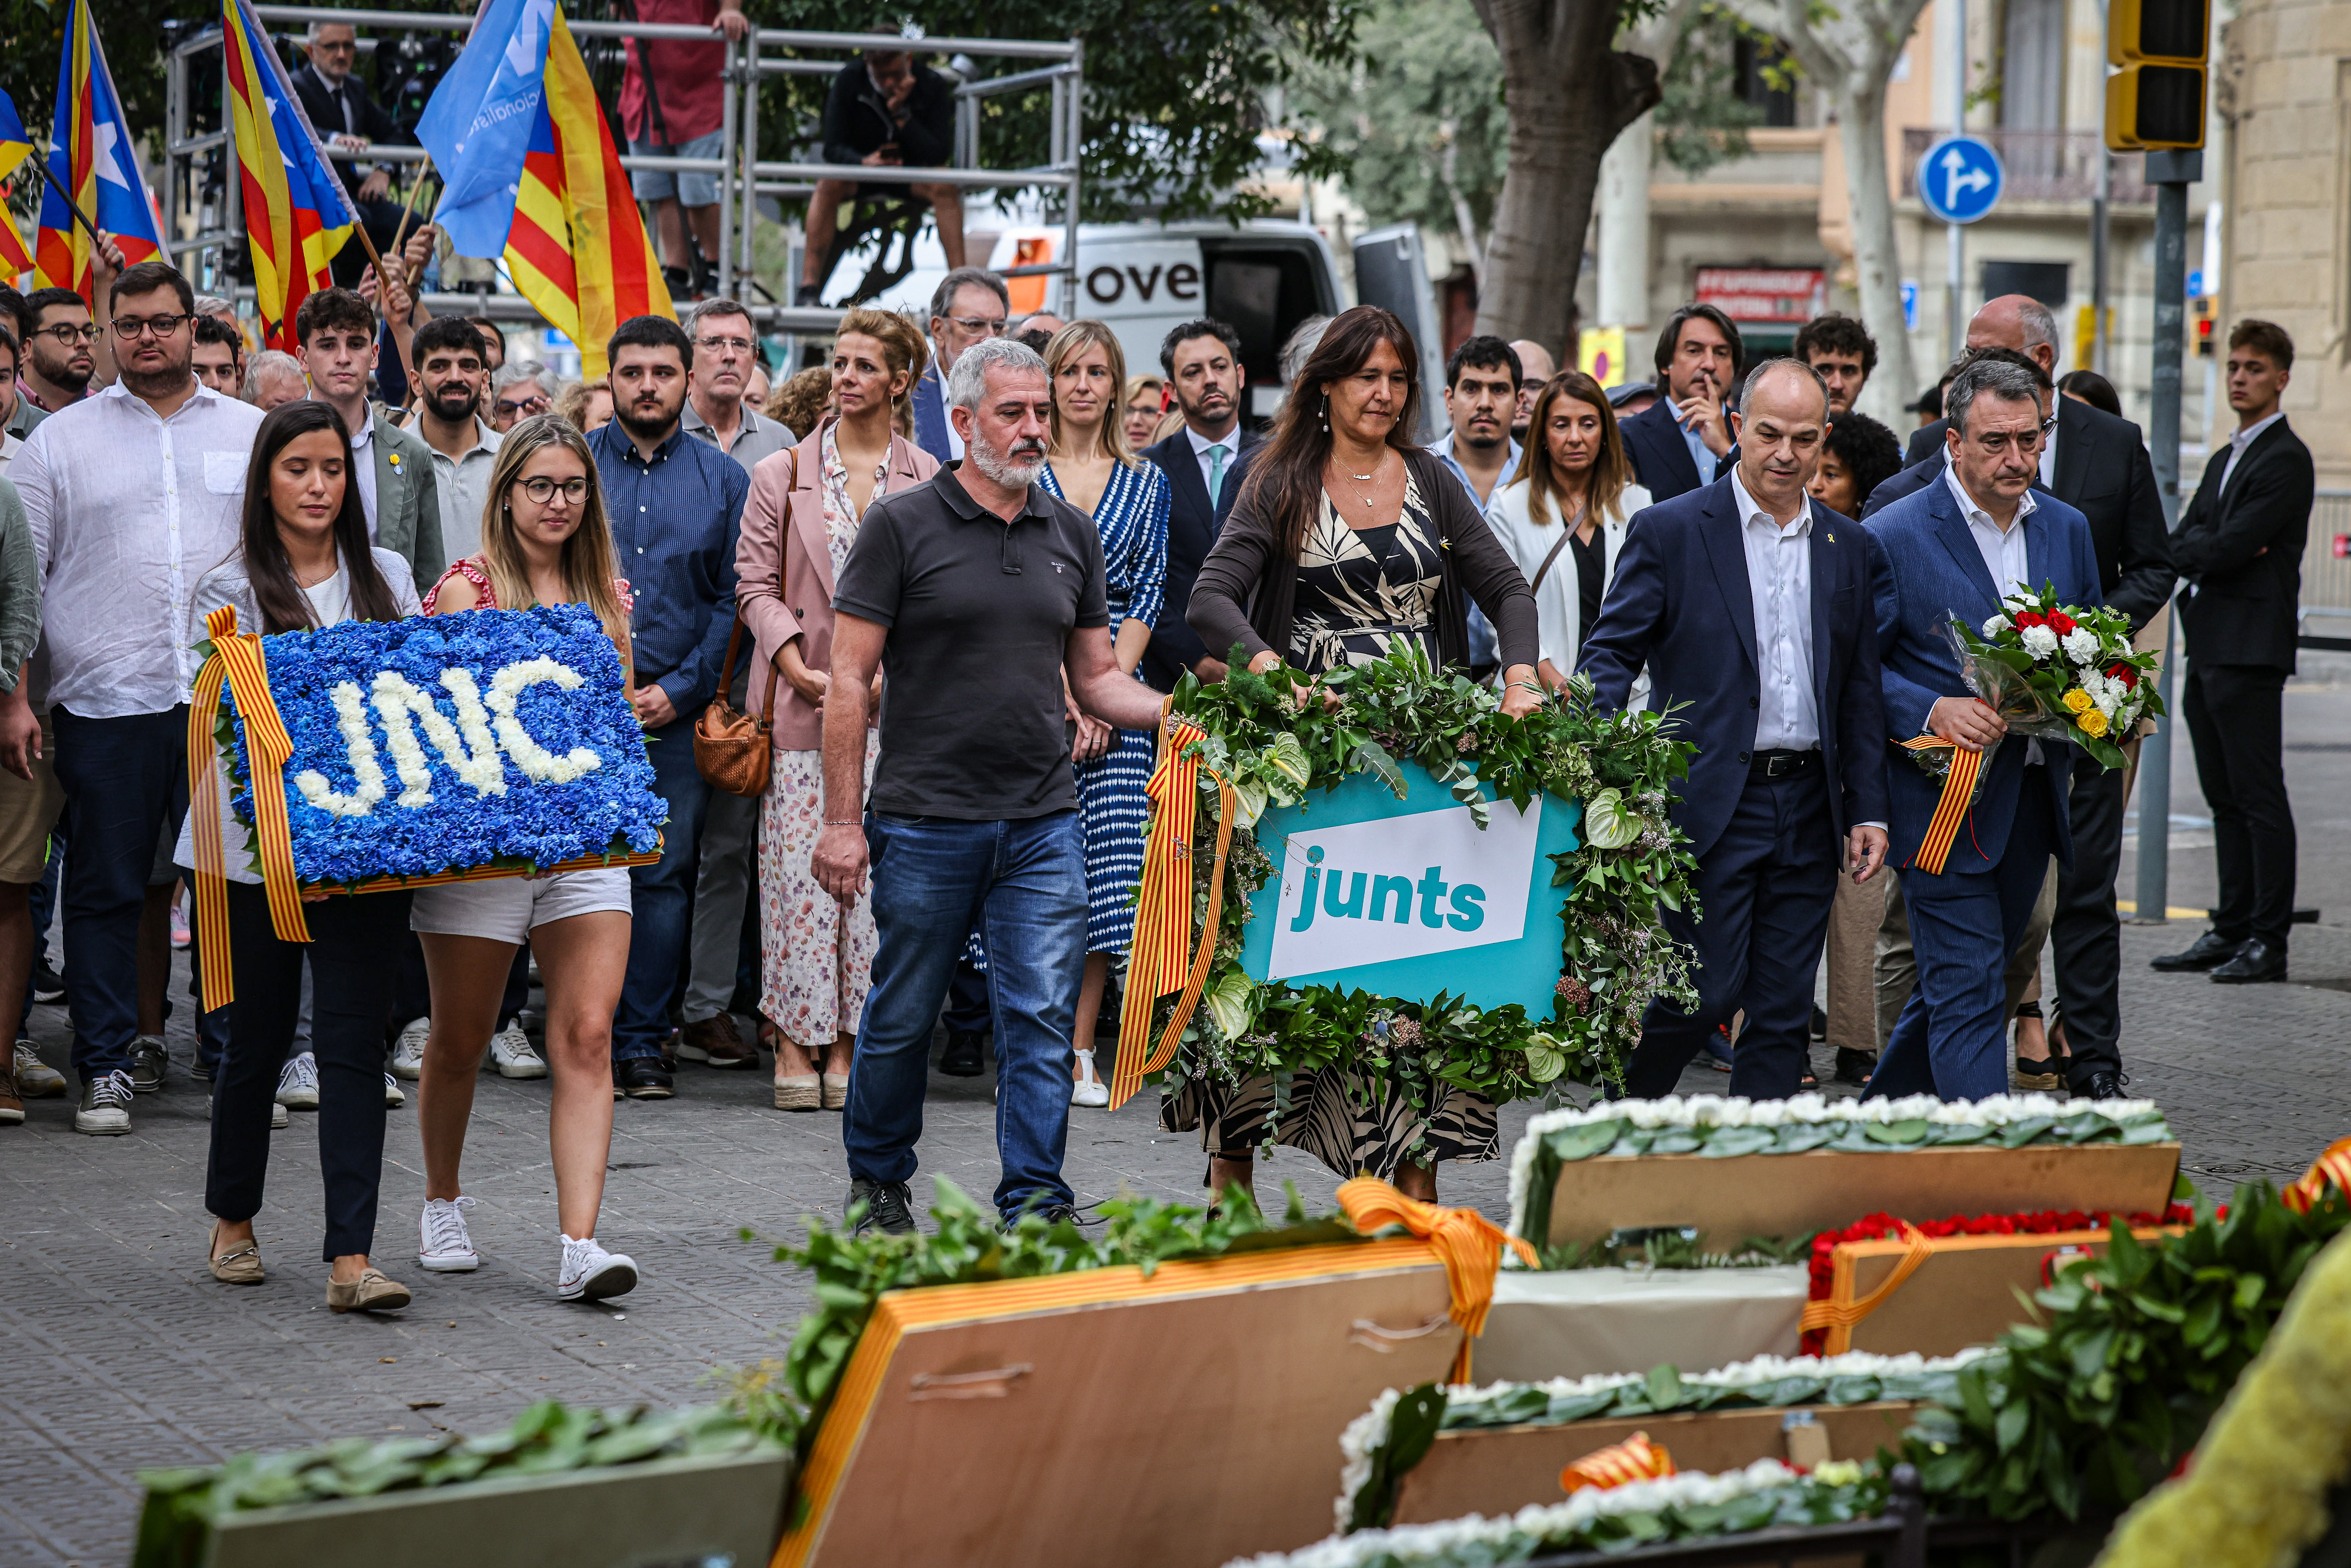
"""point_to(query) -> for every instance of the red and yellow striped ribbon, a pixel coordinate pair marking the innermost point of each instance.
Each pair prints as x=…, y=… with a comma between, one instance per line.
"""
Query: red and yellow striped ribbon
x=1959, y=791
x=1468, y=1243
x=2333, y=1167
x=1832, y=1313
x=1634, y=1459
x=238, y=660
x=1162, y=956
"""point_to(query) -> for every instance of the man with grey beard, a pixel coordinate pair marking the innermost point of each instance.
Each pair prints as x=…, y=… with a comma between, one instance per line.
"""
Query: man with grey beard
x=973, y=593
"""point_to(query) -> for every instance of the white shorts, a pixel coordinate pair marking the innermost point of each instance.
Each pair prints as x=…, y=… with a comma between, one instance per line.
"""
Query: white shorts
x=509, y=908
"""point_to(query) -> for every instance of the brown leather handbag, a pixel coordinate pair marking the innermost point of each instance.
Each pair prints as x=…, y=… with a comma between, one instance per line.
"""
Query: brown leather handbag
x=731, y=748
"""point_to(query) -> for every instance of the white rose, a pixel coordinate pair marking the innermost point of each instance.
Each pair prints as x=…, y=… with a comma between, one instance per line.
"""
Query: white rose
x=2040, y=642
x=2082, y=645
x=1994, y=627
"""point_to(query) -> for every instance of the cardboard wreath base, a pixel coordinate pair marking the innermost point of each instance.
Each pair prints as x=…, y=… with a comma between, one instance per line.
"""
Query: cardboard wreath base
x=1573, y=1322
x=1497, y=1470
x=1206, y=1402
x=1731, y=1198
x=1968, y=1292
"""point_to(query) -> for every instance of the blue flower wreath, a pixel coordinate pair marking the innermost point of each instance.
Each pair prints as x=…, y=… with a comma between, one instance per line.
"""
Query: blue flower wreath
x=609, y=809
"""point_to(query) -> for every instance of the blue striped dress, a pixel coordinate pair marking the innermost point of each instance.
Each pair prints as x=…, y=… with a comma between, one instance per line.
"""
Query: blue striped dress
x=1132, y=518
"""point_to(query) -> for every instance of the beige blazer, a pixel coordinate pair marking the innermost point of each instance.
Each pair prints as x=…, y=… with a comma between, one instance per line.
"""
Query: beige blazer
x=783, y=571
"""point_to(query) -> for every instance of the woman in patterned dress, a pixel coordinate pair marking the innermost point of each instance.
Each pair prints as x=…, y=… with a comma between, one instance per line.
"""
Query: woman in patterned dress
x=817, y=957
x=1346, y=536
x=1094, y=470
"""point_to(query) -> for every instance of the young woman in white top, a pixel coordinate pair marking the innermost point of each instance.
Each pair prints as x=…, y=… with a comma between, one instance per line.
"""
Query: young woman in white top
x=545, y=540
x=302, y=561
x=1563, y=515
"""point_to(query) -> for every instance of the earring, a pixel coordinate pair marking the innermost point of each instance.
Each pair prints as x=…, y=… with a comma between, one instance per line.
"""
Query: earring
x=1326, y=416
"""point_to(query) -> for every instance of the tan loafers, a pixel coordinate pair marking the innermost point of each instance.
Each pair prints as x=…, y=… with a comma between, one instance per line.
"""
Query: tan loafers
x=238, y=1266
x=370, y=1293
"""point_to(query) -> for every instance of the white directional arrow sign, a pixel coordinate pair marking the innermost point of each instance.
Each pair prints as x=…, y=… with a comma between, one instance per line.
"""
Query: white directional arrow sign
x=1960, y=179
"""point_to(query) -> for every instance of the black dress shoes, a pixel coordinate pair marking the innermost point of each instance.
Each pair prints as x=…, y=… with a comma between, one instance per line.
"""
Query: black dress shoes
x=2103, y=1084
x=2208, y=951
x=641, y=1077
x=963, y=1058
x=2256, y=963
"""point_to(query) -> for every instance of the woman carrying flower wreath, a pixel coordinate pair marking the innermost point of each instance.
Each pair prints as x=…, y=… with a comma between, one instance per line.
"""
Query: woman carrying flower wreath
x=545, y=540
x=1348, y=537
x=302, y=561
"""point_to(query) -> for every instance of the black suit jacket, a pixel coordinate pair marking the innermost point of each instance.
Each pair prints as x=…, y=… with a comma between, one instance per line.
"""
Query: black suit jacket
x=325, y=109
x=1661, y=459
x=2241, y=550
x=2103, y=472
x=1192, y=527
x=1681, y=605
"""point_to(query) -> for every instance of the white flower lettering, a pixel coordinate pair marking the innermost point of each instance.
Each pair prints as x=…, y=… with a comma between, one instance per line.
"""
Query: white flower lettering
x=471, y=747
x=359, y=744
x=539, y=764
x=472, y=756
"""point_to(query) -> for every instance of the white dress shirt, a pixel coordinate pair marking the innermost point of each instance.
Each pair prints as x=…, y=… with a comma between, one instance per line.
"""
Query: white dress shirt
x=2049, y=460
x=363, y=469
x=1779, y=577
x=2238, y=442
x=1201, y=446
x=128, y=509
x=2003, y=553
x=465, y=489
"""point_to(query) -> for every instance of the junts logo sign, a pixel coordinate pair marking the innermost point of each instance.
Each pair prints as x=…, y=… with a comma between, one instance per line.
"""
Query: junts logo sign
x=1408, y=898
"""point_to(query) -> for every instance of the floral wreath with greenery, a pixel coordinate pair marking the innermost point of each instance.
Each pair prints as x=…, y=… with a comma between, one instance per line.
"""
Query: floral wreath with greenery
x=1274, y=735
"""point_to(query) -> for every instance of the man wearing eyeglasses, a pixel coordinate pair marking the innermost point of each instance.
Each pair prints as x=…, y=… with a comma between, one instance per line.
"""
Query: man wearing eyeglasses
x=60, y=350
x=970, y=306
x=518, y=392
x=1956, y=549
x=131, y=494
x=398, y=487
x=726, y=351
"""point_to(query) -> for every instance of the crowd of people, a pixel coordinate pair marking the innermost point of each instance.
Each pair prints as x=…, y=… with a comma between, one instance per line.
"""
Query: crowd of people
x=950, y=830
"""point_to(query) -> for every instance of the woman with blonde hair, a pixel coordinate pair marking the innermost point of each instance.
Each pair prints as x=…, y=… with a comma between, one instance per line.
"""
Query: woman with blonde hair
x=1094, y=468
x=1141, y=410
x=817, y=955
x=1563, y=517
x=585, y=405
x=545, y=540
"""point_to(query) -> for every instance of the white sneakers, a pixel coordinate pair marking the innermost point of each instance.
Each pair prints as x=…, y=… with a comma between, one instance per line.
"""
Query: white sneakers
x=395, y=1097
x=408, y=1055
x=104, y=1110
x=511, y=1054
x=298, y=1083
x=590, y=1273
x=1088, y=1090
x=446, y=1248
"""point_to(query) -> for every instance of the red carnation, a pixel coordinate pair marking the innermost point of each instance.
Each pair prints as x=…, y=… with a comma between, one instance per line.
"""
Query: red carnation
x=2061, y=622
x=2126, y=673
x=2031, y=618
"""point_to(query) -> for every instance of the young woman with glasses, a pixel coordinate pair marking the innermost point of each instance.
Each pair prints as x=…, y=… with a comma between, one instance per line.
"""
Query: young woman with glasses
x=545, y=540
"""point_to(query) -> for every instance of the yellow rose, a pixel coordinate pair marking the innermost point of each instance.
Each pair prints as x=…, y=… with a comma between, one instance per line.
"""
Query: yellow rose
x=2092, y=722
x=2077, y=701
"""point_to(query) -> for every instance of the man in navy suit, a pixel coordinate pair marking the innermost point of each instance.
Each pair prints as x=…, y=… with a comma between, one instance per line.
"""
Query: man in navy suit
x=1683, y=441
x=1204, y=462
x=1952, y=551
x=1749, y=604
x=968, y=307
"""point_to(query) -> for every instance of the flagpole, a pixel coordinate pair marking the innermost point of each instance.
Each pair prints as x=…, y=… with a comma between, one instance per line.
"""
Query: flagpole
x=55, y=184
x=415, y=187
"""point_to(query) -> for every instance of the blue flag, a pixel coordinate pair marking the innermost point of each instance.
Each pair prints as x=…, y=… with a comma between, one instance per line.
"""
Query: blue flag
x=477, y=127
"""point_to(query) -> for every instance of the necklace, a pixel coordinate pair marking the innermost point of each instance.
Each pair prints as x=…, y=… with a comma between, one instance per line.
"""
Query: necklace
x=1363, y=479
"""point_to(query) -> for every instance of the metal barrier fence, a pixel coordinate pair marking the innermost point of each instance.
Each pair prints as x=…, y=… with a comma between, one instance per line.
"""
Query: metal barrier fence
x=742, y=177
x=2326, y=573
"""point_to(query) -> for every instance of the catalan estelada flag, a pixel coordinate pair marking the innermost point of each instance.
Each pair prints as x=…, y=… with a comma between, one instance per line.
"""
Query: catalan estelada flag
x=15, y=148
x=529, y=171
x=91, y=154
x=297, y=213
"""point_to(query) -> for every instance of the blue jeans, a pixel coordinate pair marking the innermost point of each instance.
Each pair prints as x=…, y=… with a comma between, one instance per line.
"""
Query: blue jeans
x=662, y=895
x=1024, y=884
x=124, y=779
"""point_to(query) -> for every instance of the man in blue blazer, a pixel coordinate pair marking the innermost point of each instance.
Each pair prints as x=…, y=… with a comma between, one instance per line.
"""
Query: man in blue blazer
x=1203, y=462
x=1683, y=442
x=1749, y=604
x=1953, y=551
x=968, y=307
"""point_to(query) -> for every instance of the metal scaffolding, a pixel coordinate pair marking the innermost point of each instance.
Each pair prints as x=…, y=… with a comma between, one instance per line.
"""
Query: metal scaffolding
x=204, y=234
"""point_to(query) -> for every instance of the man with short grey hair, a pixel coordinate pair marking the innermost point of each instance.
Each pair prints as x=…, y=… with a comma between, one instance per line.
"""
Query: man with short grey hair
x=518, y=390
x=970, y=306
x=973, y=818
x=271, y=377
x=1956, y=550
x=726, y=347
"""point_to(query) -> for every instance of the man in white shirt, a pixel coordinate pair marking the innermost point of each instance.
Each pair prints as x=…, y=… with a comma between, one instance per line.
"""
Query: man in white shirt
x=453, y=377
x=132, y=495
x=1203, y=462
x=1749, y=604
x=398, y=488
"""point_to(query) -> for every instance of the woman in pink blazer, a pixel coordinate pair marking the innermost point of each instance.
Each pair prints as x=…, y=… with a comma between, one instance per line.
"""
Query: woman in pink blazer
x=817, y=959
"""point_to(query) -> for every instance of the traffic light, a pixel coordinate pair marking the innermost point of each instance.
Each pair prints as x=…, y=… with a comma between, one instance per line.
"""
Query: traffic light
x=2203, y=305
x=2156, y=99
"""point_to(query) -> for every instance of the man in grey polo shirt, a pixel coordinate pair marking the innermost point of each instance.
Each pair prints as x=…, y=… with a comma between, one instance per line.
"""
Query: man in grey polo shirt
x=972, y=591
x=726, y=347
x=452, y=376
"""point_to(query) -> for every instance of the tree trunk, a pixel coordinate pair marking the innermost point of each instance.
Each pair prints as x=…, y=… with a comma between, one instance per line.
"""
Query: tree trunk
x=1876, y=259
x=1569, y=95
x=1624, y=228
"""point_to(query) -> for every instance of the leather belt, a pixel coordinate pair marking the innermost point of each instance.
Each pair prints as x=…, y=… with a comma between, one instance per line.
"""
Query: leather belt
x=1781, y=764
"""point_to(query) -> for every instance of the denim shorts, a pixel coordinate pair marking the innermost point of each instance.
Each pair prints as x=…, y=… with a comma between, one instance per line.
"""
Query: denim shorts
x=509, y=908
x=661, y=184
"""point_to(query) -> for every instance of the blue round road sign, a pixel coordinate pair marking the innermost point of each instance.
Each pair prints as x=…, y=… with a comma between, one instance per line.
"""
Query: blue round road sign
x=1960, y=179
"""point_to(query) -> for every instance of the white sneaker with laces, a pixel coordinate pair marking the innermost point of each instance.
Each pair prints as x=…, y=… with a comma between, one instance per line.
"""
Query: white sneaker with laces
x=1088, y=1090
x=511, y=1054
x=298, y=1083
x=394, y=1096
x=408, y=1054
x=104, y=1110
x=590, y=1273
x=280, y=1118
x=446, y=1248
